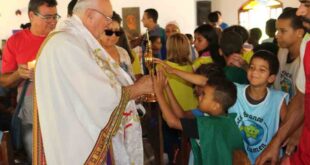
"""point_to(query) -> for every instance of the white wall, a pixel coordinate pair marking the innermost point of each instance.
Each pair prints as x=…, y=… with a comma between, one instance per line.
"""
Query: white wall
x=229, y=8
x=8, y=20
x=182, y=11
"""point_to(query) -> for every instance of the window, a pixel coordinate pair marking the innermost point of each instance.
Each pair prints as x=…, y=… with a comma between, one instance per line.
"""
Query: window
x=255, y=13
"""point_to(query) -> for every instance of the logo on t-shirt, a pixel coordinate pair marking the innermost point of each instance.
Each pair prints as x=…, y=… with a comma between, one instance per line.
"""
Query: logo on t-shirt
x=286, y=82
x=253, y=131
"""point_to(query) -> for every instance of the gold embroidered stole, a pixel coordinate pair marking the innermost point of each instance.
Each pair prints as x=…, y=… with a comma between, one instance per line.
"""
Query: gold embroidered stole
x=104, y=141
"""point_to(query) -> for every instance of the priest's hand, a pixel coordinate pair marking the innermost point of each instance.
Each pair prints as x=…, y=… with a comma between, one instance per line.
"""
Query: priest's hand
x=143, y=86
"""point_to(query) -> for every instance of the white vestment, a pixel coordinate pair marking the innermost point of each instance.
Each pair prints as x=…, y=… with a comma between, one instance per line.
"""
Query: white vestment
x=76, y=97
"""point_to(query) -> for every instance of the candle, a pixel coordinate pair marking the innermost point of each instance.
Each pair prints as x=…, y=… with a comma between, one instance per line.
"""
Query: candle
x=31, y=64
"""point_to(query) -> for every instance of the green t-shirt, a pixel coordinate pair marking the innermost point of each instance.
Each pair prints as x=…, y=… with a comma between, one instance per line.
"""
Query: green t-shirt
x=219, y=137
x=236, y=75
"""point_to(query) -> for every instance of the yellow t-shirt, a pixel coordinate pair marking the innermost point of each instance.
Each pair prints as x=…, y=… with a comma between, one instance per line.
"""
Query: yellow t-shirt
x=182, y=90
x=136, y=66
x=201, y=60
x=247, y=56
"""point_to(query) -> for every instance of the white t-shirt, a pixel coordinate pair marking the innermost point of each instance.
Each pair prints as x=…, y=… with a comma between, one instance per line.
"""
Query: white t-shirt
x=268, y=40
x=287, y=73
x=300, y=79
x=125, y=62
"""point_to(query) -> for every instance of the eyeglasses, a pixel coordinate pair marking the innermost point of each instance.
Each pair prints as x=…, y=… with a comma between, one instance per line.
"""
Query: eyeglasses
x=48, y=18
x=109, y=19
x=110, y=33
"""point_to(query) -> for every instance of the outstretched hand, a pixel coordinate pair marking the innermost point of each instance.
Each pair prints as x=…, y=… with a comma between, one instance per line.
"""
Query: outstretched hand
x=164, y=65
x=145, y=84
x=160, y=82
x=141, y=87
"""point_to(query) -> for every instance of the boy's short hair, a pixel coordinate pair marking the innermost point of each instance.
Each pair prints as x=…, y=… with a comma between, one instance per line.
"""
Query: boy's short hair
x=189, y=36
x=152, y=13
x=231, y=42
x=296, y=21
x=240, y=30
x=255, y=34
x=211, y=70
x=213, y=17
x=271, y=27
x=272, y=47
x=271, y=58
x=218, y=12
x=154, y=38
x=225, y=92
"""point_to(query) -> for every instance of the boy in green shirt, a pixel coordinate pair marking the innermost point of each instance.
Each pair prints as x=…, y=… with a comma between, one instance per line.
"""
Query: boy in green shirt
x=218, y=135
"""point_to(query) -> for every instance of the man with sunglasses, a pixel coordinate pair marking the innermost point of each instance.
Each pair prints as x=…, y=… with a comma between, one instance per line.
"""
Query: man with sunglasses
x=298, y=109
x=22, y=48
x=85, y=111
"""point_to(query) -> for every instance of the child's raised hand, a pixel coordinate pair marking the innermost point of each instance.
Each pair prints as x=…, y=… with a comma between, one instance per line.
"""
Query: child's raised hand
x=159, y=81
x=235, y=60
x=163, y=65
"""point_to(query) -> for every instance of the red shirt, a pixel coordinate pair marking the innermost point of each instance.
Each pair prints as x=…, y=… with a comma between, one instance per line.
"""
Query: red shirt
x=302, y=156
x=20, y=48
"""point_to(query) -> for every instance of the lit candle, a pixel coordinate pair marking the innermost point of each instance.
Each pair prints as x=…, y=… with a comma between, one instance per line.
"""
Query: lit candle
x=31, y=64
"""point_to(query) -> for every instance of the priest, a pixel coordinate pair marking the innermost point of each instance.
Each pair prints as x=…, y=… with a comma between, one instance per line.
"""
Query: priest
x=85, y=111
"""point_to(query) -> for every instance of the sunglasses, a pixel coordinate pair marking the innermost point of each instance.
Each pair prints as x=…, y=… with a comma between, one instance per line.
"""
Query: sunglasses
x=110, y=33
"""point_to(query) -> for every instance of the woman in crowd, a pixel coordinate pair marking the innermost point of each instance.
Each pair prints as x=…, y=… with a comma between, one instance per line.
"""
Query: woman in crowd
x=109, y=39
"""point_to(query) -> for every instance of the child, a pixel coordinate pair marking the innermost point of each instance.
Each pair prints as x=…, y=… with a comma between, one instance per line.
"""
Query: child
x=231, y=44
x=259, y=108
x=156, y=46
x=194, y=53
x=218, y=133
x=247, y=52
x=255, y=35
x=206, y=44
x=289, y=37
x=178, y=49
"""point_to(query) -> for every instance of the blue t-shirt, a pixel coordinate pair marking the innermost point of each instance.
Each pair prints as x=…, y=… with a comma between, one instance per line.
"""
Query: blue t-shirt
x=198, y=113
x=257, y=123
x=224, y=26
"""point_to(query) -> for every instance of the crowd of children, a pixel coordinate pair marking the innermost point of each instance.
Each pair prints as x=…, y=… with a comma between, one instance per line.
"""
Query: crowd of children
x=239, y=109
